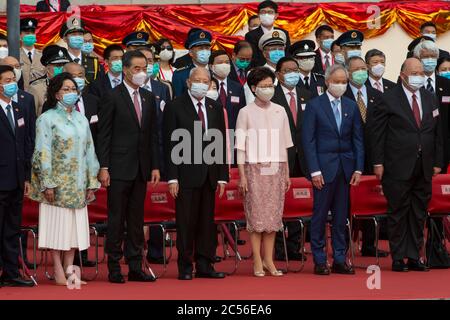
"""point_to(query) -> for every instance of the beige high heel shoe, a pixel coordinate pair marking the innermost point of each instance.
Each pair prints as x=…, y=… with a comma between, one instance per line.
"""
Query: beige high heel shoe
x=274, y=273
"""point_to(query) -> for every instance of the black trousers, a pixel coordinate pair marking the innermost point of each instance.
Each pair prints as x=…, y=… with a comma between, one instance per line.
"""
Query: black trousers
x=196, y=231
x=125, y=213
x=407, y=206
x=10, y=220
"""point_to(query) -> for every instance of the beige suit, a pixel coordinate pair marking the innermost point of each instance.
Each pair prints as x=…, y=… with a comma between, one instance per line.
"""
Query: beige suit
x=39, y=90
x=31, y=71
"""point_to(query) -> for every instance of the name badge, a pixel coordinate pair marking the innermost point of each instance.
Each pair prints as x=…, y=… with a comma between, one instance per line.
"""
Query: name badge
x=303, y=106
x=234, y=99
x=94, y=119
x=445, y=99
x=162, y=105
x=20, y=122
x=319, y=90
x=435, y=113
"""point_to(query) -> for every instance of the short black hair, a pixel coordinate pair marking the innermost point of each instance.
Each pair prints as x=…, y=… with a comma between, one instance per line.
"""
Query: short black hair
x=427, y=24
x=323, y=28
x=215, y=54
x=441, y=61
x=268, y=4
x=158, y=45
x=282, y=61
x=111, y=48
x=353, y=59
x=241, y=44
x=3, y=37
x=6, y=68
x=130, y=55
x=55, y=85
x=373, y=53
x=253, y=17
x=147, y=48
x=259, y=74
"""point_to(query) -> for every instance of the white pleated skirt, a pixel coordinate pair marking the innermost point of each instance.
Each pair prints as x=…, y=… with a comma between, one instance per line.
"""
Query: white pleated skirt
x=63, y=229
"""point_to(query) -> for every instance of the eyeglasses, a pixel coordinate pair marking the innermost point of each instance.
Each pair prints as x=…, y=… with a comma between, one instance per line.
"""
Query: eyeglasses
x=166, y=47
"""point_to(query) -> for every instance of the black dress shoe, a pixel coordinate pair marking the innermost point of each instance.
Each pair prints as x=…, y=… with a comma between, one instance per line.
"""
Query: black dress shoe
x=116, y=277
x=154, y=260
x=185, y=276
x=371, y=252
x=211, y=274
x=140, y=276
x=416, y=265
x=399, y=266
x=241, y=242
x=86, y=263
x=342, y=268
x=17, y=282
x=321, y=270
x=217, y=259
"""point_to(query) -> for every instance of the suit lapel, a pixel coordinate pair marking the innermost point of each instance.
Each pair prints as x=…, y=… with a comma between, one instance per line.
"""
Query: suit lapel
x=126, y=96
x=5, y=121
x=17, y=115
x=281, y=97
x=190, y=108
x=144, y=107
x=328, y=111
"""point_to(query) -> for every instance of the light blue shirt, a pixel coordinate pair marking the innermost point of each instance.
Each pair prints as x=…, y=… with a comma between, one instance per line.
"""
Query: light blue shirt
x=363, y=91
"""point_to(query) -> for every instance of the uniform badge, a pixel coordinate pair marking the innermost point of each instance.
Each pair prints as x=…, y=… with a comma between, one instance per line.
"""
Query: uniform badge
x=30, y=23
x=60, y=53
x=139, y=35
x=75, y=22
x=306, y=47
x=202, y=35
x=354, y=35
x=275, y=34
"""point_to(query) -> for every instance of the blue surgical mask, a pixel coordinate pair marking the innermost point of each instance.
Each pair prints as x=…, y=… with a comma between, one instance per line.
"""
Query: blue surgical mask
x=81, y=83
x=445, y=74
x=429, y=64
x=416, y=82
x=87, y=47
x=276, y=55
x=199, y=90
x=76, y=42
x=10, y=89
x=292, y=78
x=57, y=70
x=430, y=35
x=203, y=56
x=339, y=58
x=29, y=40
x=69, y=99
x=116, y=66
x=326, y=44
x=353, y=53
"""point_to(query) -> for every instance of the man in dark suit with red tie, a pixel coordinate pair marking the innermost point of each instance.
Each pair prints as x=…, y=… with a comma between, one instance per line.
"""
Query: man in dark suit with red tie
x=193, y=178
x=241, y=59
x=324, y=38
x=127, y=149
x=15, y=172
x=406, y=152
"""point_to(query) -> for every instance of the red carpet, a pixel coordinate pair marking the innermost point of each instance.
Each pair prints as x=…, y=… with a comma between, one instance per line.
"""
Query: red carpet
x=303, y=285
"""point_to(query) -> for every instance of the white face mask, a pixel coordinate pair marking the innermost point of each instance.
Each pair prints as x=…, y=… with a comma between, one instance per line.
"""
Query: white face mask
x=430, y=35
x=222, y=70
x=266, y=19
x=3, y=52
x=212, y=94
x=306, y=64
x=166, y=55
x=337, y=89
x=18, y=73
x=199, y=90
x=416, y=82
x=265, y=94
x=378, y=70
x=139, y=78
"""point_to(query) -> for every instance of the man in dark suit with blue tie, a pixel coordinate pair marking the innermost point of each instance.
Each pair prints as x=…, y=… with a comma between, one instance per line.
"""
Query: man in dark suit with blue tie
x=15, y=171
x=332, y=138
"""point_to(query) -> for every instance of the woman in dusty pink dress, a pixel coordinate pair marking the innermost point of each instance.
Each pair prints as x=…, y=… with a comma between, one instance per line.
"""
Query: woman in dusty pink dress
x=262, y=139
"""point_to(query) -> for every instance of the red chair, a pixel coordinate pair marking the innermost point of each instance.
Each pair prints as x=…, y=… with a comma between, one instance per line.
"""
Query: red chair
x=298, y=207
x=439, y=206
x=159, y=211
x=228, y=210
x=234, y=174
x=367, y=202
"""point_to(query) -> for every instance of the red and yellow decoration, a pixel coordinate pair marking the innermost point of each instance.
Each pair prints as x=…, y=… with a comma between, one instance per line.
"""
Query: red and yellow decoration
x=110, y=24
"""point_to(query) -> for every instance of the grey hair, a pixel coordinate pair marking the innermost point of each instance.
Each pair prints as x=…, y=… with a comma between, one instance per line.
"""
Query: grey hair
x=335, y=67
x=194, y=70
x=426, y=45
x=65, y=67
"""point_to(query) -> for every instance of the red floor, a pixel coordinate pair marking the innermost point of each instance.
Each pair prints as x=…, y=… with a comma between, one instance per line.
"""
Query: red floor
x=303, y=285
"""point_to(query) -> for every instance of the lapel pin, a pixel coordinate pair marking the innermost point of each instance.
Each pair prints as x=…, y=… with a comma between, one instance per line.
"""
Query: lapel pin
x=302, y=99
x=22, y=96
x=371, y=101
x=143, y=99
x=157, y=97
x=345, y=114
x=210, y=106
x=17, y=110
x=440, y=89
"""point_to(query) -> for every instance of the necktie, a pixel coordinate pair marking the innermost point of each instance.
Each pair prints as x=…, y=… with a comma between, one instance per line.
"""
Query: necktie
x=30, y=56
x=306, y=82
x=201, y=115
x=76, y=60
x=337, y=114
x=116, y=82
x=293, y=106
x=429, y=85
x=361, y=106
x=223, y=95
x=416, y=110
x=137, y=106
x=242, y=77
x=378, y=86
x=9, y=116
x=327, y=62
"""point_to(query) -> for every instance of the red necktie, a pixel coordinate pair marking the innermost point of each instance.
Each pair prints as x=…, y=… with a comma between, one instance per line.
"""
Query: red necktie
x=137, y=106
x=416, y=110
x=201, y=115
x=292, y=106
x=223, y=95
x=242, y=77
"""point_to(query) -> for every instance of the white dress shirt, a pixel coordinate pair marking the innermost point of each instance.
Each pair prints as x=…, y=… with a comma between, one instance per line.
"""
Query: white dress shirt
x=302, y=77
x=287, y=94
x=373, y=83
x=75, y=57
x=409, y=95
x=4, y=105
x=131, y=92
x=27, y=51
x=433, y=81
x=111, y=78
x=363, y=90
x=225, y=86
x=147, y=86
x=265, y=30
x=323, y=54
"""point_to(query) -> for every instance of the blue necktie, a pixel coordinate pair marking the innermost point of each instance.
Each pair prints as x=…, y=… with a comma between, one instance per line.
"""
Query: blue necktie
x=337, y=114
x=9, y=116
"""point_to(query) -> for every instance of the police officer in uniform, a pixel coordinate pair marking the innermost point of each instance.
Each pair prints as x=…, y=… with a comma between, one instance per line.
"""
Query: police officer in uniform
x=135, y=40
x=304, y=52
x=350, y=43
x=53, y=58
x=72, y=32
x=30, y=57
x=199, y=46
